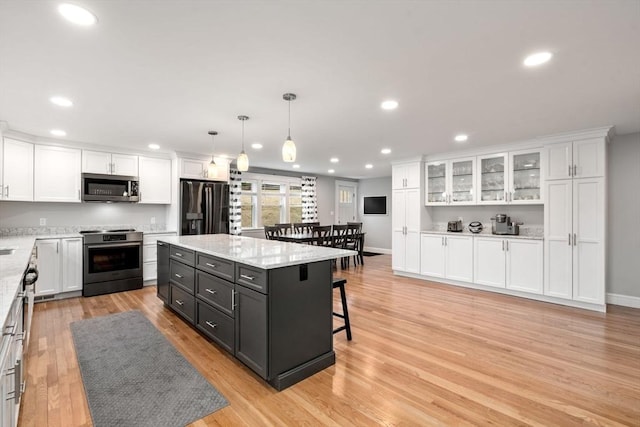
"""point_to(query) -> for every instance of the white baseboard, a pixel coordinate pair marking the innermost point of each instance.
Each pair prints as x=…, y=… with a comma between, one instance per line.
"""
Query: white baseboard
x=624, y=300
x=378, y=250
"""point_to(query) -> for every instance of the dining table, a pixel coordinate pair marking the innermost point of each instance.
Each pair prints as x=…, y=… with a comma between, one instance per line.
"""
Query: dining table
x=310, y=238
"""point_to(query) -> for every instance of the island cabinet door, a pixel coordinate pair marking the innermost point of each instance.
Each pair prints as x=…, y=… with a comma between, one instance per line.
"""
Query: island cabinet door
x=251, y=329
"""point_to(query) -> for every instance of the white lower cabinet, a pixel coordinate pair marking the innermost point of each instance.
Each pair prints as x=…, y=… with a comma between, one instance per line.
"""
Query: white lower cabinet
x=149, y=255
x=59, y=266
x=446, y=256
x=515, y=264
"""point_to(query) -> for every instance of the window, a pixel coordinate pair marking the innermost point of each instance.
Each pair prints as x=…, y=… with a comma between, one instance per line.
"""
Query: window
x=269, y=200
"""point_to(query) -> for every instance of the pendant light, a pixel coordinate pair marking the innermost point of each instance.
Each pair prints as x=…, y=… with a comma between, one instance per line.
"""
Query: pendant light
x=289, y=147
x=243, y=160
x=212, y=170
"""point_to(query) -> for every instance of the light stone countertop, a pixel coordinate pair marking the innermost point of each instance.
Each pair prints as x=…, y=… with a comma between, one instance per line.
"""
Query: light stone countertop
x=484, y=233
x=260, y=253
x=12, y=268
x=160, y=232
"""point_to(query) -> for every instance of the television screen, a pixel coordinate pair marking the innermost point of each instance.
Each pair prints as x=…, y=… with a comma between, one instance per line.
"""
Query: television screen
x=375, y=205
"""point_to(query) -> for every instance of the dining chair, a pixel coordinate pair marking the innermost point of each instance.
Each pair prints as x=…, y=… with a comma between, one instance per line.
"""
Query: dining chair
x=340, y=240
x=284, y=228
x=301, y=227
x=322, y=235
x=271, y=232
x=353, y=241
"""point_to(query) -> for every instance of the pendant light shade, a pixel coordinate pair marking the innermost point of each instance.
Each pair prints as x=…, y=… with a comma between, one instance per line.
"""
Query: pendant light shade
x=289, y=147
x=242, y=162
x=212, y=170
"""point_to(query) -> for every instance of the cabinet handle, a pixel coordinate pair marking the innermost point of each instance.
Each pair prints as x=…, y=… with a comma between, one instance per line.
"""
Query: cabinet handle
x=442, y=241
x=211, y=291
x=575, y=243
x=569, y=170
x=210, y=265
x=569, y=239
x=233, y=300
x=7, y=191
x=178, y=254
x=575, y=170
x=445, y=241
x=244, y=276
x=179, y=302
x=507, y=245
x=503, y=245
x=211, y=325
x=57, y=247
x=178, y=276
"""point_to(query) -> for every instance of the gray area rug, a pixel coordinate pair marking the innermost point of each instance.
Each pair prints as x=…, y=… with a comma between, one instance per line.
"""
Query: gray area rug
x=133, y=376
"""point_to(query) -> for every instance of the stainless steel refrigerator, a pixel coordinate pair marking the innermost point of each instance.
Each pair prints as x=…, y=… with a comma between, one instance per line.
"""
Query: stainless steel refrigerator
x=204, y=207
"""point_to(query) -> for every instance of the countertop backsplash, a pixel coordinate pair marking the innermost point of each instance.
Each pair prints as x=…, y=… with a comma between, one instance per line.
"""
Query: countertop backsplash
x=74, y=229
x=525, y=230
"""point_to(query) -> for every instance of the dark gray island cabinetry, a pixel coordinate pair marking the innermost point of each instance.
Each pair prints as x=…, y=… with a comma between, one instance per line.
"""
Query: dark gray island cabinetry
x=267, y=303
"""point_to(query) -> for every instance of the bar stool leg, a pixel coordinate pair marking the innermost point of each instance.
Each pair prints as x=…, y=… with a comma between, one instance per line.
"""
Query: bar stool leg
x=345, y=313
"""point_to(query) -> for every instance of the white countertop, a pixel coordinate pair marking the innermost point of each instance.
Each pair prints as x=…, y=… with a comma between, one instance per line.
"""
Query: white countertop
x=260, y=253
x=12, y=268
x=484, y=233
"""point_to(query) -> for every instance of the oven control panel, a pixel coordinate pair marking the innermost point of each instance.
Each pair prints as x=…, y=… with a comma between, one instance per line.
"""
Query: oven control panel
x=114, y=237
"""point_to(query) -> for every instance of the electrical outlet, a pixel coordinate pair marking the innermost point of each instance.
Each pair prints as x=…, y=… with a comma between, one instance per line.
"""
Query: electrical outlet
x=43, y=221
x=153, y=220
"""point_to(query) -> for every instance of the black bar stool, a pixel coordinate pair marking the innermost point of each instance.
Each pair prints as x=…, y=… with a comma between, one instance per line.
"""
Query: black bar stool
x=339, y=283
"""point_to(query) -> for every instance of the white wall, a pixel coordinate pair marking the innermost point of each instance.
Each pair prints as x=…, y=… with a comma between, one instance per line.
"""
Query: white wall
x=377, y=227
x=28, y=214
x=623, y=221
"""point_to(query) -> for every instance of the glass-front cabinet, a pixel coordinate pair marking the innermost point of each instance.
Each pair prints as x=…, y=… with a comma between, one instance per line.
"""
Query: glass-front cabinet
x=510, y=178
x=525, y=177
x=451, y=182
x=493, y=178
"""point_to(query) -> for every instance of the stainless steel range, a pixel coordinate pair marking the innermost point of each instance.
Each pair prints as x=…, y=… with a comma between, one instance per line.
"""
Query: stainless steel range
x=112, y=261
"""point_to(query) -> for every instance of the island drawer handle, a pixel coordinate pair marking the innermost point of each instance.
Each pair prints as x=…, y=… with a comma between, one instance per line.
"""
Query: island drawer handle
x=178, y=254
x=244, y=276
x=210, y=265
x=179, y=302
x=211, y=325
x=213, y=292
x=178, y=276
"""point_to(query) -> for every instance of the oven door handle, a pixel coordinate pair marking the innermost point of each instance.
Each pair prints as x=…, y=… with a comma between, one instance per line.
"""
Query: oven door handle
x=114, y=245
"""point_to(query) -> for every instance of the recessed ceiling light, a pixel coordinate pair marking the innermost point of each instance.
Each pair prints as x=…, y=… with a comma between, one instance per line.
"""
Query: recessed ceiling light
x=331, y=171
x=389, y=105
x=368, y=166
x=256, y=146
x=537, y=58
x=154, y=146
x=296, y=166
x=334, y=160
x=461, y=138
x=77, y=15
x=385, y=150
x=58, y=132
x=61, y=101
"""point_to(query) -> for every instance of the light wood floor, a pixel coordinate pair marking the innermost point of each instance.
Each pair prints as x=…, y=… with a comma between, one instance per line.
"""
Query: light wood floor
x=422, y=354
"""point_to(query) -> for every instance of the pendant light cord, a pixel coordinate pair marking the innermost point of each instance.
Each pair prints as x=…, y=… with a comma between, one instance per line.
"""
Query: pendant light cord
x=243, y=136
x=289, y=134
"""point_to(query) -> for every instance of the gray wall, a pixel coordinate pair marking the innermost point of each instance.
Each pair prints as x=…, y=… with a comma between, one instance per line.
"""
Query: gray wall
x=377, y=227
x=623, y=221
x=28, y=214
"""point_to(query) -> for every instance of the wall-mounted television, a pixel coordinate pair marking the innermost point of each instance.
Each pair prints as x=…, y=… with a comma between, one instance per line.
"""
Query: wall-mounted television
x=375, y=205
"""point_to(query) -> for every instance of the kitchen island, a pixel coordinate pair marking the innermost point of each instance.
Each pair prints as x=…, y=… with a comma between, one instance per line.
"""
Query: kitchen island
x=268, y=303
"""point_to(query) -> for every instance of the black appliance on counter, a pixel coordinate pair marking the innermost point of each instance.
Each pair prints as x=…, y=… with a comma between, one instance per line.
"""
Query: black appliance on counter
x=112, y=261
x=455, y=226
x=204, y=207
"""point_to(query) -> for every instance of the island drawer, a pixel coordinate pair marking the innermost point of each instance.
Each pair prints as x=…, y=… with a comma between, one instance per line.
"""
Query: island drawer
x=216, y=266
x=216, y=325
x=215, y=291
x=183, y=255
x=252, y=277
x=182, y=275
x=183, y=303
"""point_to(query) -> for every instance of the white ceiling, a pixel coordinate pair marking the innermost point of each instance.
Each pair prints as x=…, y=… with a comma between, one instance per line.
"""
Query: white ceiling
x=168, y=71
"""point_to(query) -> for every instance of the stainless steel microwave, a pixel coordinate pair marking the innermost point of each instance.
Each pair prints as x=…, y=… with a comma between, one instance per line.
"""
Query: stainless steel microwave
x=110, y=188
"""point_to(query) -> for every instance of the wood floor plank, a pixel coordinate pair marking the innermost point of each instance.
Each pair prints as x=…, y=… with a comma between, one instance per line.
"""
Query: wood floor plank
x=422, y=353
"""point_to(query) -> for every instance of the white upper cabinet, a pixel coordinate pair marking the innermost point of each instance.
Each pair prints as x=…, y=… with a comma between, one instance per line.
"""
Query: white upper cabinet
x=451, y=182
x=199, y=169
x=57, y=174
x=109, y=163
x=155, y=180
x=17, y=170
x=406, y=175
x=578, y=159
x=510, y=178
